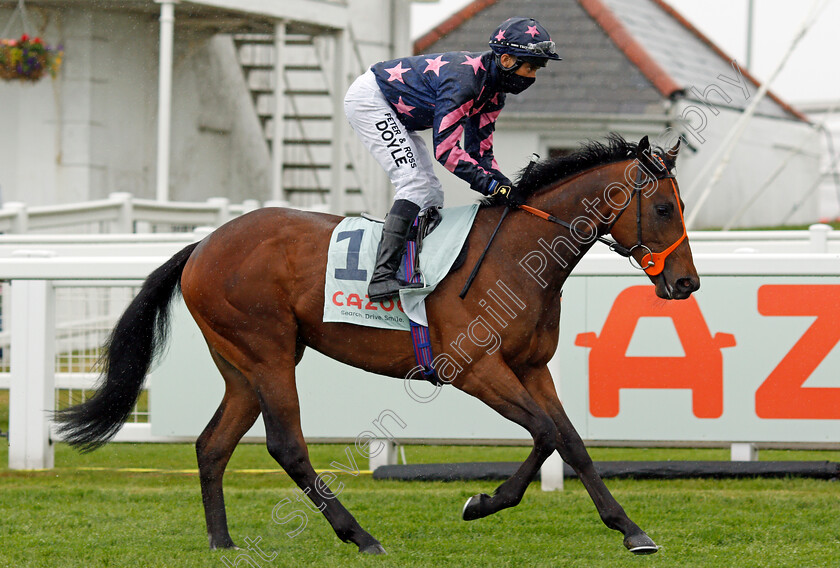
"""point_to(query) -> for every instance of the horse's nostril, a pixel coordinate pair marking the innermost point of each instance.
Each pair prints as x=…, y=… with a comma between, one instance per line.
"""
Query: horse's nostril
x=686, y=284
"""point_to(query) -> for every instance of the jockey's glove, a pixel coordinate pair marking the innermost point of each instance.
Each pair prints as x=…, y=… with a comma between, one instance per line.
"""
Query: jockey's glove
x=509, y=195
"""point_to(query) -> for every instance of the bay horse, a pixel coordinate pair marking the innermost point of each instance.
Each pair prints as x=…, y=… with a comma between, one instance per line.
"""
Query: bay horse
x=255, y=287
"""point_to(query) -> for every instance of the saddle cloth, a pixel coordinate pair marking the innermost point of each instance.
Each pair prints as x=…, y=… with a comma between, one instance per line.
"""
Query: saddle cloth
x=350, y=263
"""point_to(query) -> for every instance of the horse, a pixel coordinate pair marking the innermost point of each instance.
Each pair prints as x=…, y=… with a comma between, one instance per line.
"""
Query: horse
x=255, y=287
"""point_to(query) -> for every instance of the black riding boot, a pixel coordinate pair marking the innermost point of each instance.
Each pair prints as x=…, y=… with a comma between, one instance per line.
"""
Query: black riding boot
x=384, y=282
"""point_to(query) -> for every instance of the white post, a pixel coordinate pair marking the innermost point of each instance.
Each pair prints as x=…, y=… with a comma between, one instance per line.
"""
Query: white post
x=5, y=306
x=742, y=451
x=278, y=131
x=551, y=473
x=401, y=42
x=20, y=224
x=125, y=220
x=249, y=205
x=222, y=205
x=32, y=393
x=339, y=123
x=387, y=455
x=818, y=237
x=201, y=233
x=167, y=35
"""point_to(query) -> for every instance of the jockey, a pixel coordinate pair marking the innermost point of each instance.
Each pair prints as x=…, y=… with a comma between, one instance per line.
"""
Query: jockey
x=456, y=94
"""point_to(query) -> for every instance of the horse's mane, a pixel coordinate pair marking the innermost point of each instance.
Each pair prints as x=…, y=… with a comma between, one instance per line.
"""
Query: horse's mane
x=590, y=154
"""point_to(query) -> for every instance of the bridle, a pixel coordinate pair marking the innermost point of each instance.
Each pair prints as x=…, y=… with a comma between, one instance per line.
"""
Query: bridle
x=652, y=262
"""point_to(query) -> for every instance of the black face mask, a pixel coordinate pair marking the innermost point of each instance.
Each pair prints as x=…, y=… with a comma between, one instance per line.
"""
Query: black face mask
x=515, y=84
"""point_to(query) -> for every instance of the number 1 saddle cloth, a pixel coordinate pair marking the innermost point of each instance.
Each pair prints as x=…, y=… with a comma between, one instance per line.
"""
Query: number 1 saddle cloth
x=350, y=263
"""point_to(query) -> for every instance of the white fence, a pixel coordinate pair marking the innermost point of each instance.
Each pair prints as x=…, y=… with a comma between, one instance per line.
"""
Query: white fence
x=118, y=214
x=818, y=238
x=124, y=213
x=40, y=267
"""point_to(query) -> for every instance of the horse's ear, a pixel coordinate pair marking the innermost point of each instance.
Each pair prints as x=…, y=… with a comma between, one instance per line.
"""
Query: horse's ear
x=642, y=147
x=671, y=155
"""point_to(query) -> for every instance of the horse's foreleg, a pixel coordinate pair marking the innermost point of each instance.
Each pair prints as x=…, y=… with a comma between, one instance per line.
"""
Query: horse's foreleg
x=236, y=414
x=573, y=451
x=504, y=394
x=285, y=442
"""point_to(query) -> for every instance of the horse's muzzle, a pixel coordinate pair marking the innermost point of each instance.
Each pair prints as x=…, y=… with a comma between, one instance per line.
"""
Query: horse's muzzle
x=681, y=289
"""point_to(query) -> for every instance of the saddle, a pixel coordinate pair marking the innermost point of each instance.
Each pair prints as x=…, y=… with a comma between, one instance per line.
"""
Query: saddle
x=426, y=222
x=352, y=252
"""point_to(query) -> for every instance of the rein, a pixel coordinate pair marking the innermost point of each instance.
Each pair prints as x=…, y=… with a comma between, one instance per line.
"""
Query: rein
x=614, y=246
x=652, y=262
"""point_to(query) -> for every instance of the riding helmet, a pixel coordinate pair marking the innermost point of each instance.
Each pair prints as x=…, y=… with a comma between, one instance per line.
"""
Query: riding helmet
x=526, y=39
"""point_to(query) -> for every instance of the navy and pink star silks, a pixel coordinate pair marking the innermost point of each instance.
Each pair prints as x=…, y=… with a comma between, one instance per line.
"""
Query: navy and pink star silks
x=456, y=94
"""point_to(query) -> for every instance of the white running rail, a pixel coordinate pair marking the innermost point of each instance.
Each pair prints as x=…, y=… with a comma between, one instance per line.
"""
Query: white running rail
x=47, y=262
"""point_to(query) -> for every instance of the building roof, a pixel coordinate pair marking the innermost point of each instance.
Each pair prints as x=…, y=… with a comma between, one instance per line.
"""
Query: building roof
x=619, y=57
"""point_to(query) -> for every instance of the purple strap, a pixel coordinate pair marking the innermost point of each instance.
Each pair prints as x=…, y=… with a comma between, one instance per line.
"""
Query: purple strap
x=419, y=333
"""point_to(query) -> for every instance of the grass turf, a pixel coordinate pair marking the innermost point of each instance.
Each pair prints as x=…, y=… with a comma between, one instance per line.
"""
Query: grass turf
x=73, y=517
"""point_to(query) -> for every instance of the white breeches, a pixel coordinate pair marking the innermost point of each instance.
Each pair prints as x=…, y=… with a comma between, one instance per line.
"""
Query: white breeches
x=401, y=152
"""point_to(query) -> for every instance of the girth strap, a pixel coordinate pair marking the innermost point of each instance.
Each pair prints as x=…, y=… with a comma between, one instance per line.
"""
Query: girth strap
x=420, y=337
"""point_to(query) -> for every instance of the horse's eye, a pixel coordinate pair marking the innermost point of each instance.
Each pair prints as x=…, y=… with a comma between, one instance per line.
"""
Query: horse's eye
x=663, y=210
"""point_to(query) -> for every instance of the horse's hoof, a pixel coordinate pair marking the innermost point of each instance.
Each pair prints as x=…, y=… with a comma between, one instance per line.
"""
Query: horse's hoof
x=224, y=547
x=475, y=507
x=222, y=543
x=640, y=543
x=374, y=548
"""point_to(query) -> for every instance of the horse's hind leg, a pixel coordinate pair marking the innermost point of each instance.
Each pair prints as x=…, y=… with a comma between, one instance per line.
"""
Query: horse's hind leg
x=571, y=448
x=284, y=438
x=236, y=414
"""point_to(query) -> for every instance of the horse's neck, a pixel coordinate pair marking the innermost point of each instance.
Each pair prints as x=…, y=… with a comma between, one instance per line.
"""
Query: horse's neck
x=582, y=202
x=585, y=197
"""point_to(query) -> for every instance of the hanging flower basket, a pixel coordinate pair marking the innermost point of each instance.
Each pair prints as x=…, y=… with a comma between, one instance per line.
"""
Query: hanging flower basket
x=28, y=59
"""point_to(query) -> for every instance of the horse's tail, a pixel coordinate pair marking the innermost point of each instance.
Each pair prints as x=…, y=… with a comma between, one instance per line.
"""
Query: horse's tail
x=140, y=334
